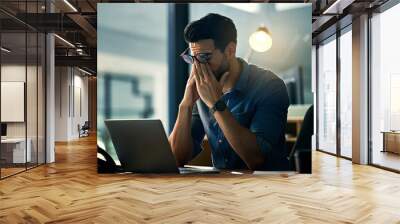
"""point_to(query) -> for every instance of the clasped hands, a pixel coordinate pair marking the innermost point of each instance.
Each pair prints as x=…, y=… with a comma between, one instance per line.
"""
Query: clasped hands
x=203, y=84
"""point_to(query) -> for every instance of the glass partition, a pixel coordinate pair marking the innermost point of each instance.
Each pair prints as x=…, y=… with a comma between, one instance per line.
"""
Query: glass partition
x=346, y=92
x=22, y=91
x=327, y=95
x=15, y=151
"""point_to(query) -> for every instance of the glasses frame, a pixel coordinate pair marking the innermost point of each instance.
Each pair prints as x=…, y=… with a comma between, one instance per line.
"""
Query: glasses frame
x=201, y=57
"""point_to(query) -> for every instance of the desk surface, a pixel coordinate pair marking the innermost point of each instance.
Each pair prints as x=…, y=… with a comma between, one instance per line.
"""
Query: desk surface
x=391, y=132
x=13, y=140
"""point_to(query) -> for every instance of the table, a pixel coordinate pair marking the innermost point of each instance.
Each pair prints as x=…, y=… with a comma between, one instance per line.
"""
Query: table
x=222, y=172
x=13, y=150
x=391, y=141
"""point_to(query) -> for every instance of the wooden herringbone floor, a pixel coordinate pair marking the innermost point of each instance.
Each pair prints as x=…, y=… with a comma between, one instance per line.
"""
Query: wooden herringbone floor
x=70, y=191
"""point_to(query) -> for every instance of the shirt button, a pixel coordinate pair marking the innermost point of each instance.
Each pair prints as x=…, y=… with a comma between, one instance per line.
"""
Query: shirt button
x=220, y=141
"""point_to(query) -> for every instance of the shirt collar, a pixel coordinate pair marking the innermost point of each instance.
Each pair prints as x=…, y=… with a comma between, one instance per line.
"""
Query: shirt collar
x=241, y=83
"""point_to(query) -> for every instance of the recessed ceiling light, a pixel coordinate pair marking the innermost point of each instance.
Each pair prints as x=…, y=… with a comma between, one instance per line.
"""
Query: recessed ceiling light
x=84, y=71
x=70, y=5
x=337, y=7
x=64, y=40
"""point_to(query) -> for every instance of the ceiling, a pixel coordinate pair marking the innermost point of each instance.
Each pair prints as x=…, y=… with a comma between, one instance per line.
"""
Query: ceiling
x=76, y=22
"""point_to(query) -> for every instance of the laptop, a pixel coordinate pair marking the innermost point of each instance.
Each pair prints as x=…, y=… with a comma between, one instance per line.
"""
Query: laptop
x=142, y=147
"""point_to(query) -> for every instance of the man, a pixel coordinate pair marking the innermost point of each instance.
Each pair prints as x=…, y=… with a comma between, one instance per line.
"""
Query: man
x=240, y=107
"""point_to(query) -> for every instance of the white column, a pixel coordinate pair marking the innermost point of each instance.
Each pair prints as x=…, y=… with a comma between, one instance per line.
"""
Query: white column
x=50, y=92
x=50, y=109
x=360, y=90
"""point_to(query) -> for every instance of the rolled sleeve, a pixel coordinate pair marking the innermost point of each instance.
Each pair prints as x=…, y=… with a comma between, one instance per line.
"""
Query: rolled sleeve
x=269, y=120
x=197, y=131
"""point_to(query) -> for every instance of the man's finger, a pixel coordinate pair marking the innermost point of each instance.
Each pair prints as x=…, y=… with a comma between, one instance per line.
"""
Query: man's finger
x=203, y=75
x=191, y=75
x=191, y=78
x=224, y=77
x=204, y=71
x=198, y=71
x=196, y=74
x=211, y=74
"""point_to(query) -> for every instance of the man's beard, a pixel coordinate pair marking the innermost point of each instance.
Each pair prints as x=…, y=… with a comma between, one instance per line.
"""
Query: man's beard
x=224, y=67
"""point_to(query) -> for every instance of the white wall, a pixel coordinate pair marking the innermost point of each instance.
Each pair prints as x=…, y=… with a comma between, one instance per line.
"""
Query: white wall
x=79, y=117
x=33, y=126
x=71, y=93
x=12, y=73
x=61, y=103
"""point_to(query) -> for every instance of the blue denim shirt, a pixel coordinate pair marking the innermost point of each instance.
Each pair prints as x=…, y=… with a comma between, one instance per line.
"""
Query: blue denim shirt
x=259, y=101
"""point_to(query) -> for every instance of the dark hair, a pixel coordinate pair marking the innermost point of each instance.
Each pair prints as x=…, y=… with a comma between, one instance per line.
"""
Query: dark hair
x=213, y=26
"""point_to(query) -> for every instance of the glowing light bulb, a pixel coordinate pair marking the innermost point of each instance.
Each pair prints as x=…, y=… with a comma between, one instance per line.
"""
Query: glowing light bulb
x=260, y=40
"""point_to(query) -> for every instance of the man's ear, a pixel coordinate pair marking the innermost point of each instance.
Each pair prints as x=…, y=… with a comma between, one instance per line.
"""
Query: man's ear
x=230, y=50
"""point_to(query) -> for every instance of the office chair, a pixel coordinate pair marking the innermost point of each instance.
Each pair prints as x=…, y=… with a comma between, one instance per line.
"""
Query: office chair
x=84, y=130
x=301, y=151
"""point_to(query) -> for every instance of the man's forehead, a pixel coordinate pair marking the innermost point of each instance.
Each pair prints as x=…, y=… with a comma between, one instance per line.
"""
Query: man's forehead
x=202, y=45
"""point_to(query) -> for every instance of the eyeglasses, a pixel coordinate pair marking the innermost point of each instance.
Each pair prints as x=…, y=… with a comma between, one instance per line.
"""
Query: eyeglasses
x=200, y=57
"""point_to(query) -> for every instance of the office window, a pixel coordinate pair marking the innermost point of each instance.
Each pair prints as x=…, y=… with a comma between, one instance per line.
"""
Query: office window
x=385, y=88
x=327, y=95
x=346, y=93
x=132, y=65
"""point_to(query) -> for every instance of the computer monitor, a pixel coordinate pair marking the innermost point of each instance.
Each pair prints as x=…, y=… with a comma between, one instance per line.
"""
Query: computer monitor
x=3, y=129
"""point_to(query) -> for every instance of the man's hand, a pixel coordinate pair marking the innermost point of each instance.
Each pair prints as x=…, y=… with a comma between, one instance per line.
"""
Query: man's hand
x=241, y=139
x=208, y=88
x=190, y=96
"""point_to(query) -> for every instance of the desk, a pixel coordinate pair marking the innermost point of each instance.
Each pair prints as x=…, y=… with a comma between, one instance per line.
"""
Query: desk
x=221, y=173
x=13, y=150
x=391, y=141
